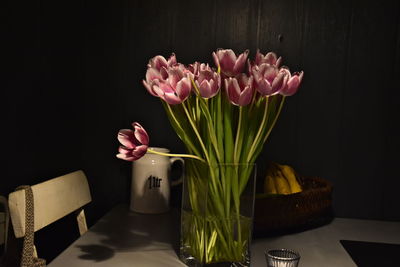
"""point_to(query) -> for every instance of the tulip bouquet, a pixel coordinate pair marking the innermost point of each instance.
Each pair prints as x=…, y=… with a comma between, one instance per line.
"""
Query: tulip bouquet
x=223, y=115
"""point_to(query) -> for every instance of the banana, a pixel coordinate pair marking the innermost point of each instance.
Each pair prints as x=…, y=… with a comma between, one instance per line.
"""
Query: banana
x=290, y=176
x=269, y=185
x=281, y=184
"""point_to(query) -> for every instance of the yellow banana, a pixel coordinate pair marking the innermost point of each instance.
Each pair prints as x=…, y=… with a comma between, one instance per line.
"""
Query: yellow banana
x=290, y=176
x=269, y=185
x=281, y=184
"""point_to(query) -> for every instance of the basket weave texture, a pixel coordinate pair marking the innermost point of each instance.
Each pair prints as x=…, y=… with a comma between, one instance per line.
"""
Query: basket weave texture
x=281, y=212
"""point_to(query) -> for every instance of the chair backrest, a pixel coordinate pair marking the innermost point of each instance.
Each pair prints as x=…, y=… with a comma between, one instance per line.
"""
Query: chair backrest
x=53, y=199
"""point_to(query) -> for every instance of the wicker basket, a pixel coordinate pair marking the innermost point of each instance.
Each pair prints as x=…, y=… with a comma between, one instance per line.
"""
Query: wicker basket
x=274, y=214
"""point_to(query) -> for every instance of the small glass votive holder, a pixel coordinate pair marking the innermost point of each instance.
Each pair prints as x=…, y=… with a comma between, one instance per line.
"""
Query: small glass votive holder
x=282, y=258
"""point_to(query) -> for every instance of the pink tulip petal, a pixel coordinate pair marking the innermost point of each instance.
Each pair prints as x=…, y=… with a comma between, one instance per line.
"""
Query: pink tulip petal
x=152, y=74
x=218, y=81
x=172, y=60
x=125, y=157
x=164, y=73
x=227, y=60
x=255, y=71
x=246, y=96
x=141, y=134
x=149, y=88
x=264, y=87
x=270, y=72
x=183, y=88
x=172, y=98
x=233, y=90
x=292, y=86
x=124, y=150
x=278, y=62
x=139, y=152
x=157, y=62
x=240, y=62
x=126, y=138
x=165, y=88
x=277, y=83
x=174, y=76
x=216, y=60
x=194, y=68
x=258, y=57
x=301, y=74
x=205, y=89
x=243, y=80
x=270, y=58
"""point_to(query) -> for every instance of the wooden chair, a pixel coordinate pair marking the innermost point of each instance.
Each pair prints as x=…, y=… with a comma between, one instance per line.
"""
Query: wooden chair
x=53, y=199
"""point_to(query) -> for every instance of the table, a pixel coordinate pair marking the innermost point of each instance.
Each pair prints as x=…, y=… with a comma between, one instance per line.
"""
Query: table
x=123, y=238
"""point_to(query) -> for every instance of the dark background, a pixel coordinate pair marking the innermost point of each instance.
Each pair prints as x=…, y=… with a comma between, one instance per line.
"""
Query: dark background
x=73, y=72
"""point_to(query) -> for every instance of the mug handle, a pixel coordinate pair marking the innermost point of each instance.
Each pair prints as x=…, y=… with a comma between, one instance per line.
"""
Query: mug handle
x=172, y=161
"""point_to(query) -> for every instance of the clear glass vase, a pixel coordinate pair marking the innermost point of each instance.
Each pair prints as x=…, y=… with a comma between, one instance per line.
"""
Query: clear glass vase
x=217, y=214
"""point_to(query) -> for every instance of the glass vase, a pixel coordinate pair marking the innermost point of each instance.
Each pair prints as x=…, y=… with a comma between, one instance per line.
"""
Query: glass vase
x=217, y=214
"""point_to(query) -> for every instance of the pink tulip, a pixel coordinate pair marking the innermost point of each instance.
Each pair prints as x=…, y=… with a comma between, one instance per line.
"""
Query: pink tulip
x=158, y=62
x=267, y=79
x=194, y=68
x=239, y=89
x=291, y=82
x=176, y=88
x=269, y=58
x=157, y=71
x=169, y=80
x=230, y=64
x=134, y=143
x=208, y=81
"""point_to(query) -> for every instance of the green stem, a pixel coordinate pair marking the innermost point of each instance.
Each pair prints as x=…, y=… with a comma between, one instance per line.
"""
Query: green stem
x=184, y=136
x=260, y=130
x=175, y=155
x=275, y=119
x=211, y=129
x=236, y=156
x=196, y=132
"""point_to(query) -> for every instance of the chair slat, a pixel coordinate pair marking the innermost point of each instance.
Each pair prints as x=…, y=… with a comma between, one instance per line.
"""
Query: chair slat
x=53, y=199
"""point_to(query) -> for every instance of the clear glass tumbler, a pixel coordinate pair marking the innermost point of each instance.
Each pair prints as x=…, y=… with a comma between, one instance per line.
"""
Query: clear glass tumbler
x=282, y=258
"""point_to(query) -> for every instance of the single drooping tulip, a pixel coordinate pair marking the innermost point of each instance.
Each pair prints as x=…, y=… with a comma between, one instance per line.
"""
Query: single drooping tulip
x=134, y=143
x=207, y=81
x=239, y=89
x=230, y=64
x=270, y=58
x=176, y=88
x=291, y=82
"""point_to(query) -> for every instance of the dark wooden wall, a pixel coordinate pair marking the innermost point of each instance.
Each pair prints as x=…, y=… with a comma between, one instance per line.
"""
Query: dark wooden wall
x=73, y=74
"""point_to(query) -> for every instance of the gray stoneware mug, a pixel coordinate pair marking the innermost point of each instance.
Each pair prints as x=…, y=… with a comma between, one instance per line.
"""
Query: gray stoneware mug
x=151, y=182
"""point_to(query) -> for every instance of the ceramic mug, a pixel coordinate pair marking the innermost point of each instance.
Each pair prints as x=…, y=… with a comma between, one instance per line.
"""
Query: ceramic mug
x=151, y=182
